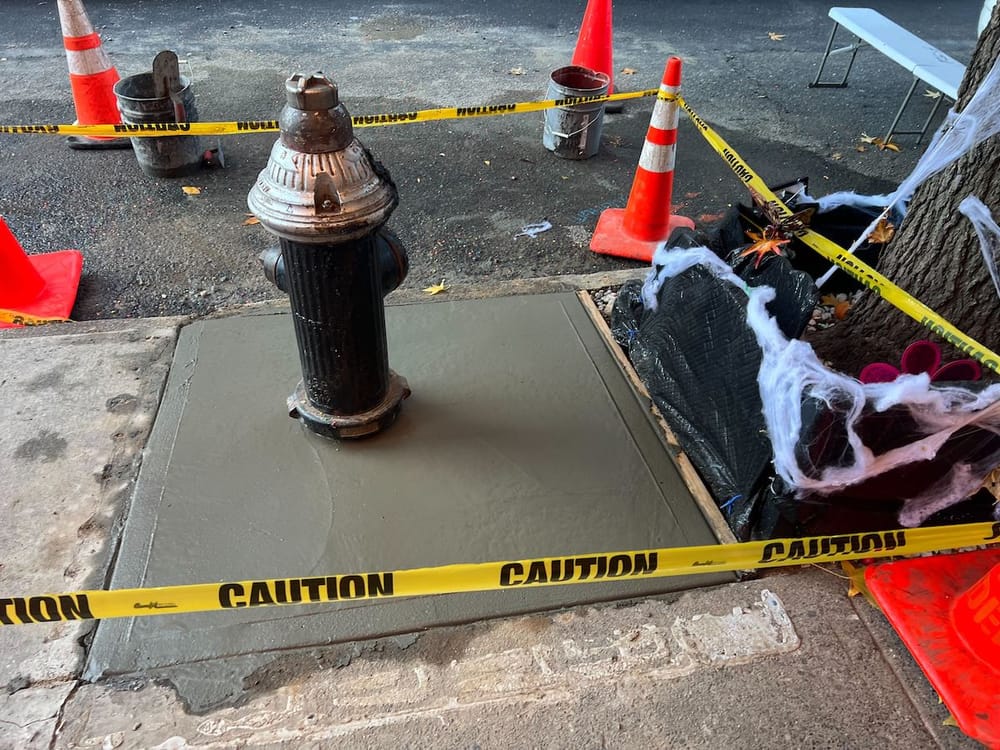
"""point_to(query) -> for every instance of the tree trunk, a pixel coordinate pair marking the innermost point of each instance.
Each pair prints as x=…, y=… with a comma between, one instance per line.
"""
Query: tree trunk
x=935, y=255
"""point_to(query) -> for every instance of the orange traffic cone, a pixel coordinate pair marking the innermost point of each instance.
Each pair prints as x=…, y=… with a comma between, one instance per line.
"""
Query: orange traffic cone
x=976, y=617
x=946, y=609
x=91, y=77
x=646, y=221
x=593, y=45
x=35, y=286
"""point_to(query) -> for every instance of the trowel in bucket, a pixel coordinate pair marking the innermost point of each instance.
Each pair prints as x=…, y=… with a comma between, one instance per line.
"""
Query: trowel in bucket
x=167, y=82
x=167, y=85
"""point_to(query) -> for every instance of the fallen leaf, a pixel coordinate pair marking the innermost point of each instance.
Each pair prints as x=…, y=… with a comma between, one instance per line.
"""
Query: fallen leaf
x=188, y=190
x=829, y=299
x=879, y=143
x=932, y=94
x=629, y=71
x=836, y=156
x=486, y=162
x=949, y=722
x=841, y=309
x=436, y=288
x=856, y=575
x=710, y=218
x=882, y=232
x=775, y=36
x=860, y=149
x=517, y=71
x=250, y=221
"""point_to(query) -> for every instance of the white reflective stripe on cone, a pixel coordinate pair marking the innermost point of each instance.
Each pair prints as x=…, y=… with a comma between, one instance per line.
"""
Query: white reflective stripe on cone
x=88, y=62
x=666, y=114
x=657, y=159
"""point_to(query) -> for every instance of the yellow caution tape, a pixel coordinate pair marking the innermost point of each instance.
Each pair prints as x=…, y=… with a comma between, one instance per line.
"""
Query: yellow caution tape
x=161, y=129
x=490, y=576
x=860, y=270
x=23, y=319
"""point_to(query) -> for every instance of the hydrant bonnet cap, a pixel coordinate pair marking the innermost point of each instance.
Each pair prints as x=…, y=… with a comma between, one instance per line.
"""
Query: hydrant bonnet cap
x=312, y=92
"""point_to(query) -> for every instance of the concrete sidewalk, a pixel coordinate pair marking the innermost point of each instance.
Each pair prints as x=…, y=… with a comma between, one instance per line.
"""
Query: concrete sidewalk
x=467, y=187
x=784, y=660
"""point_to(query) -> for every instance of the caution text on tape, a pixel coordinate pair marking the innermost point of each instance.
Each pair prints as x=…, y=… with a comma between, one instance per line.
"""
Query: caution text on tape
x=236, y=127
x=16, y=318
x=489, y=576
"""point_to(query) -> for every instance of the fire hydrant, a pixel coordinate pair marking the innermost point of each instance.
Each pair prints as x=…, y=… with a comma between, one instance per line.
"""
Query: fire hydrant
x=327, y=199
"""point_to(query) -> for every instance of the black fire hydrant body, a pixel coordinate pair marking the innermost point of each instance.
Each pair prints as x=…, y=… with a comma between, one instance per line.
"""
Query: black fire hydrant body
x=327, y=199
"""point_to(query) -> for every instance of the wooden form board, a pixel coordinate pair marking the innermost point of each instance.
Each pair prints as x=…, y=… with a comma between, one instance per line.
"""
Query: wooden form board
x=687, y=471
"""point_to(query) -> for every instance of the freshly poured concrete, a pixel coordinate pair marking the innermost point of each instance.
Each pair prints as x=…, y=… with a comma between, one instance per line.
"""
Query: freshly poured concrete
x=522, y=438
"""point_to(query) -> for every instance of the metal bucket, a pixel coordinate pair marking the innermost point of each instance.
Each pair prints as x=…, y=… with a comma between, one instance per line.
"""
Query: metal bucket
x=574, y=132
x=171, y=156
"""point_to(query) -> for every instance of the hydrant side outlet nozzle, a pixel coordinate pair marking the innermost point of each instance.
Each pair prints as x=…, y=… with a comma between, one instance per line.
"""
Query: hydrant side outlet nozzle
x=327, y=199
x=392, y=259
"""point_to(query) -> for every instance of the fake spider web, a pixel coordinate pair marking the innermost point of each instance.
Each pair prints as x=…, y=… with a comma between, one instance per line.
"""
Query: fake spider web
x=791, y=373
x=958, y=134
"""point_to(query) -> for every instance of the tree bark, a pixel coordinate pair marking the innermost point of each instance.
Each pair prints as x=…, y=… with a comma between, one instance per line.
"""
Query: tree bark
x=935, y=254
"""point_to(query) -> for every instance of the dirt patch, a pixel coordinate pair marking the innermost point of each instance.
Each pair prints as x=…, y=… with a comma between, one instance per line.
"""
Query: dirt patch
x=48, y=446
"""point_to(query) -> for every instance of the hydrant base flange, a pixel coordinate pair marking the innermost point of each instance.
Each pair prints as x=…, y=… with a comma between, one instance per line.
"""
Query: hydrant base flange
x=350, y=426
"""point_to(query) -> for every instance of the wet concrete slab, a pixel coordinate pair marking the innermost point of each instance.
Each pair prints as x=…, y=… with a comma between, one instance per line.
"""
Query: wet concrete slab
x=523, y=438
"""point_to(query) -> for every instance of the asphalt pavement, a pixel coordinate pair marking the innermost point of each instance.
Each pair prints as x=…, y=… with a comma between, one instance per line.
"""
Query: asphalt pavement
x=466, y=188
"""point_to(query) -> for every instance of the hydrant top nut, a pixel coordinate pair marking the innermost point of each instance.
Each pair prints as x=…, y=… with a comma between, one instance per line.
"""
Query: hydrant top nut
x=313, y=120
x=311, y=92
